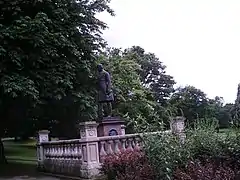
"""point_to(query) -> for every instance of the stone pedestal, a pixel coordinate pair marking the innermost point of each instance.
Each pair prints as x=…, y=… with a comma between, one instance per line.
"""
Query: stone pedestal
x=90, y=153
x=177, y=126
x=111, y=126
x=43, y=136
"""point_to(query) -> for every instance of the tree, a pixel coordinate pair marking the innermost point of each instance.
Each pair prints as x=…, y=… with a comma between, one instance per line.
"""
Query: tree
x=236, y=109
x=224, y=115
x=47, y=55
x=152, y=73
x=133, y=101
x=192, y=103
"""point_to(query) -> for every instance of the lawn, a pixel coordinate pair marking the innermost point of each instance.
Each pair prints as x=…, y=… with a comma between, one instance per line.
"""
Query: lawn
x=23, y=151
x=228, y=132
x=21, y=158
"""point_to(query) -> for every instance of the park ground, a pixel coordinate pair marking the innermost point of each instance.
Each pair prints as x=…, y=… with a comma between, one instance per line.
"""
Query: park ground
x=21, y=157
x=21, y=161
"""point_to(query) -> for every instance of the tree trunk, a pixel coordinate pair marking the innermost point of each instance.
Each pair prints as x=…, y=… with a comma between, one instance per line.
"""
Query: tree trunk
x=3, y=159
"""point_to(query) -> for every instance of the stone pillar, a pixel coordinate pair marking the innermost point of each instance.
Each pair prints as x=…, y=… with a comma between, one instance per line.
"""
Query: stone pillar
x=111, y=126
x=123, y=127
x=177, y=127
x=90, y=153
x=43, y=136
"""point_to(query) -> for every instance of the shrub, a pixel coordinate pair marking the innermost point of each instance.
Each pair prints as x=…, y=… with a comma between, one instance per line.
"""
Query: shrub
x=130, y=165
x=209, y=170
x=166, y=153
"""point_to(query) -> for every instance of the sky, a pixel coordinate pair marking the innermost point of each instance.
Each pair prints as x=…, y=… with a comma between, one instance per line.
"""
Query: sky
x=198, y=40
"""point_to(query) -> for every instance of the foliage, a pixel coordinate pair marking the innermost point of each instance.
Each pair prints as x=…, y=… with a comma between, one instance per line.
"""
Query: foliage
x=152, y=73
x=194, y=104
x=210, y=170
x=236, y=109
x=48, y=51
x=166, y=153
x=131, y=165
x=134, y=101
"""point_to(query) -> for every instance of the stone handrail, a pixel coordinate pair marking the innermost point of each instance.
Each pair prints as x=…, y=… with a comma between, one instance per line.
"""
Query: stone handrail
x=65, y=149
x=83, y=157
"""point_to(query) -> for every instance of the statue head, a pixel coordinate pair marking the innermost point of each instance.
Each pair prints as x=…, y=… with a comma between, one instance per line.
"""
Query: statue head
x=100, y=67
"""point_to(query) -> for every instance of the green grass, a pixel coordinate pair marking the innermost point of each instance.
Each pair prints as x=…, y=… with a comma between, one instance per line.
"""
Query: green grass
x=20, y=151
x=229, y=132
x=21, y=158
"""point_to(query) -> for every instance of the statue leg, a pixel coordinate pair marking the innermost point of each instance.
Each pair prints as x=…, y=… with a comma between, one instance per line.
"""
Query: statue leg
x=109, y=109
x=100, y=110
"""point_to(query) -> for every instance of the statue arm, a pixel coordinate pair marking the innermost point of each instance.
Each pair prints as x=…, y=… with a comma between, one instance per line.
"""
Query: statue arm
x=108, y=81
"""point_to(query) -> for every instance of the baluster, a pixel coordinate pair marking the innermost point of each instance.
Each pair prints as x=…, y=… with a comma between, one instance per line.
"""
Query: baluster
x=102, y=148
x=53, y=157
x=123, y=145
x=70, y=150
x=47, y=151
x=44, y=152
x=59, y=151
x=51, y=152
x=71, y=162
x=133, y=143
x=61, y=158
x=57, y=158
x=116, y=148
x=74, y=153
x=110, y=151
x=64, y=150
x=67, y=151
x=130, y=144
x=54, y=151
x=79, y=152
x=66, y=163
x=64, y=157
x=137, y=144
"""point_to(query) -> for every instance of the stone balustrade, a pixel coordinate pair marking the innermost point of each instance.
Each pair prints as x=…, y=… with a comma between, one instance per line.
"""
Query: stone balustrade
x=116, y=144
x=62, y=156
x=83, y=157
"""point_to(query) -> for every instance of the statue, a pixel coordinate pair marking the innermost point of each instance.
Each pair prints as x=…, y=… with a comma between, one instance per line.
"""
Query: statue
x=105, y=94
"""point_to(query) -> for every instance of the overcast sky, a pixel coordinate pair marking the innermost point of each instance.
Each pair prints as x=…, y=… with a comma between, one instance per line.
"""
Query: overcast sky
x=198, y=40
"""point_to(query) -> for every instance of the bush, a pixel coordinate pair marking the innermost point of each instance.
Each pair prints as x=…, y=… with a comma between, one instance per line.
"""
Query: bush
x=209, y=170
x=166, y=153
x=128, y=165
x=205, y=155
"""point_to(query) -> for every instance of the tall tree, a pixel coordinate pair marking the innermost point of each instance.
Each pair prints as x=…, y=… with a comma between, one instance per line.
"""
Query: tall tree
x=133, y=101
x=153, y=73
x=47, y=54
x=192, y=103
x=236, y=109
x=224, y=115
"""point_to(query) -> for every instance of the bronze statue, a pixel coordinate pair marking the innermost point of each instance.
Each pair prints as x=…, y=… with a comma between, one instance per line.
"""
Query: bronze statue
x=105, y=94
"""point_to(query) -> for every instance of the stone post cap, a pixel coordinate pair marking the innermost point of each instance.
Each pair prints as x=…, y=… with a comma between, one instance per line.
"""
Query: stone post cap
x=178, y=118
x=43, y=132
x=89, y=123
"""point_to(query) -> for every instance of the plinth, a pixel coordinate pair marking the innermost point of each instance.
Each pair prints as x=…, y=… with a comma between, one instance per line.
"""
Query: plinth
x=111, y=126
